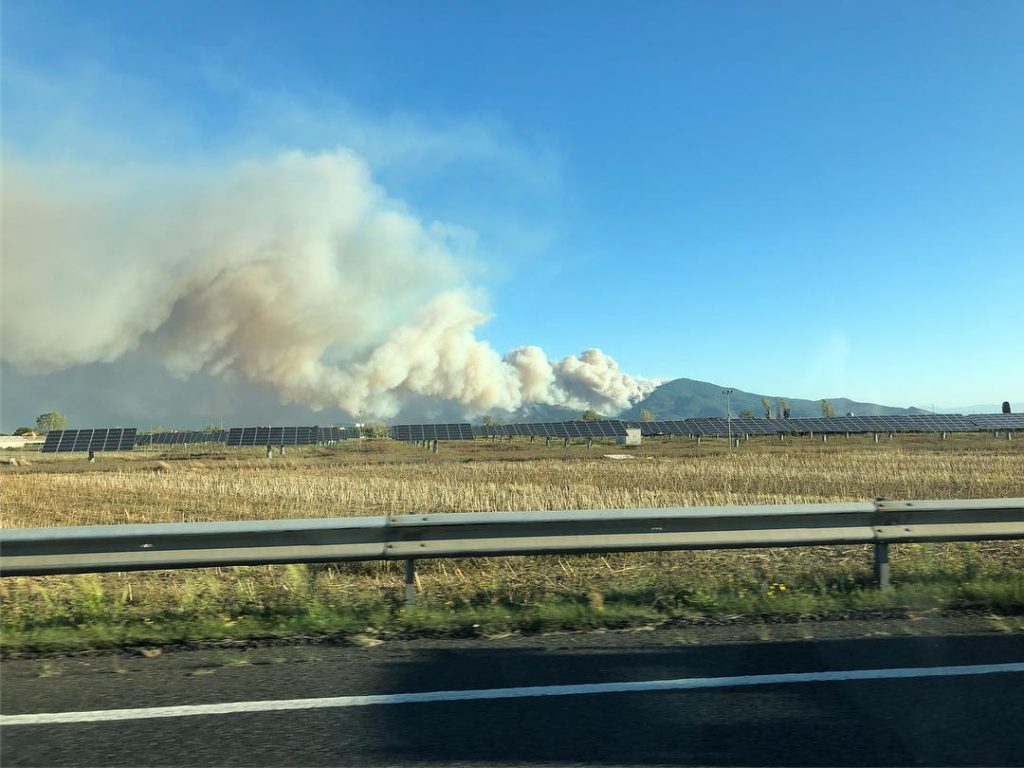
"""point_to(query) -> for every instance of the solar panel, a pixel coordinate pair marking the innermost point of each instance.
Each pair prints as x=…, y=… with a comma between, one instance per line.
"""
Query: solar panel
x=720, y=427
x=675, y=427
x=334, y=434
x=938, y=422
x=592, y=429
x=961, y=423
x=82, y=440
x=997, y=420
x=241, y=437
x=560, y=429
x=190, y=437
x=546, y=429
x=419, y=432
x=859, y=424
x=708, y=427
x=753, y=427
x=917, y=422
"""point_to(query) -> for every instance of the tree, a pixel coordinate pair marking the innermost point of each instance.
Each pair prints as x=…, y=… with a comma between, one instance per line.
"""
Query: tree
x=766, y=406
x=52, y=420
x=1006, y=406
x=782, y=408
x=827, y=410
x=593, y=416
x=746, y=413
x=646, y=415
x=24, y=431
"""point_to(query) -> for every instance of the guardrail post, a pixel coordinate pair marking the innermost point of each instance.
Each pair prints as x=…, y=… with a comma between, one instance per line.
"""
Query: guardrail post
x=882, y=565
x=410, y=583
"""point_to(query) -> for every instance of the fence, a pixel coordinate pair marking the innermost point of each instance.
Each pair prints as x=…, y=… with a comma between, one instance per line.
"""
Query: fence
x=100, y=548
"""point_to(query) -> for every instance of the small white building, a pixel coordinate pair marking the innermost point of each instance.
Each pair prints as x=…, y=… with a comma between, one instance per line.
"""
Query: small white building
x=632, y=437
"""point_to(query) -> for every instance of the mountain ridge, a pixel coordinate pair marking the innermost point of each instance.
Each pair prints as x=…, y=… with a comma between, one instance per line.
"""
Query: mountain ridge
x=688, y=398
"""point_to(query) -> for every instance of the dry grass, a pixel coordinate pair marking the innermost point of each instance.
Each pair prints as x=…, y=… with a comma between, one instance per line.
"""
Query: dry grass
x=187, y=491
x=400, y=479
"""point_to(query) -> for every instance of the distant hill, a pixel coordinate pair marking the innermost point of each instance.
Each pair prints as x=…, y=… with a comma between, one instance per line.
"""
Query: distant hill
x=687, y=398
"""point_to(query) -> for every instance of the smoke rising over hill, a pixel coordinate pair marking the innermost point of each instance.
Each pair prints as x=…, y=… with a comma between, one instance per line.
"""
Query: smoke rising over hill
x=298, y=274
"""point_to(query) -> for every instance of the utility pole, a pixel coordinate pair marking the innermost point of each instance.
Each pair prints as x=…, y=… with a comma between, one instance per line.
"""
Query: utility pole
x=728, y=412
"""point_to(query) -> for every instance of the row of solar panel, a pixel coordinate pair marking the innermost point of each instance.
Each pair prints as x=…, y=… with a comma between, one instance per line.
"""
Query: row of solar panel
x=323, y=435
x=240, y=437
x=838, y=424
x=69, y=440
x=415, y=433
x=124, y=439
x=560, y=429
x=81, y=440
x=998, y=420
x=268, y=436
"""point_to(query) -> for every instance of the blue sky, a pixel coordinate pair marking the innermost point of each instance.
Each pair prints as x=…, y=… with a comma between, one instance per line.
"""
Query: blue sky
x=810, y=199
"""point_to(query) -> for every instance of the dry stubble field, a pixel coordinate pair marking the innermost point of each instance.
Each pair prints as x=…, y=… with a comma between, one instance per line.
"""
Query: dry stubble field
x=480, y=594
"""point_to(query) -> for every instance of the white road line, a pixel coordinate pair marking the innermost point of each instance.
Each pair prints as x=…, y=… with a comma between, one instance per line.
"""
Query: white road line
x=683, y=684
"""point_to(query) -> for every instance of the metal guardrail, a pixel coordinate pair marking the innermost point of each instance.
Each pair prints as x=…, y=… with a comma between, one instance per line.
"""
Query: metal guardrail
x=100, y=548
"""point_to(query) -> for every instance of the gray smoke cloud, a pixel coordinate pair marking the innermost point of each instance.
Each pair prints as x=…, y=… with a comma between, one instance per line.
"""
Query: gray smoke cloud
x=298, y=273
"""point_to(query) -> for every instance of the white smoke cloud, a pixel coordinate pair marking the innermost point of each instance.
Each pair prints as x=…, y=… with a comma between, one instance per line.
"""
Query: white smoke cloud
x=297, y=273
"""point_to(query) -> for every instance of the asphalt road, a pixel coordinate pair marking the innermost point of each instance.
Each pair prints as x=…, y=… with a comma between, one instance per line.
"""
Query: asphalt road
x=949, y=719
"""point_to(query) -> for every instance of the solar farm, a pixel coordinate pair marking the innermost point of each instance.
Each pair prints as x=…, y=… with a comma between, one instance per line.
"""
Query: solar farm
x=269, y=438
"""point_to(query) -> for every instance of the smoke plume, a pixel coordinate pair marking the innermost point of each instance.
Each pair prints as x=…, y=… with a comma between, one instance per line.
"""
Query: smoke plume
x=297, y=273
